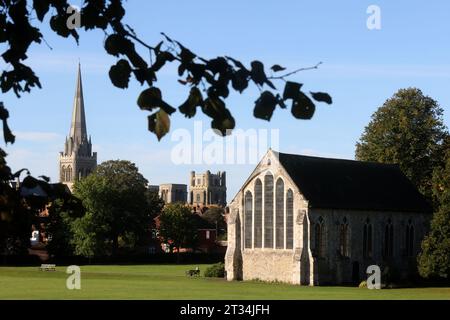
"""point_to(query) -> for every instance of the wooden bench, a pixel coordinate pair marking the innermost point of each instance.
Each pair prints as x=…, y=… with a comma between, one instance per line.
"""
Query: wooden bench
x=47, y=267
x=193, y=272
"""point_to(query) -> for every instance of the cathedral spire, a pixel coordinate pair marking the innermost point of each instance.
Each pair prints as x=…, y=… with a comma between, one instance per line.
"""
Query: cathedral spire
x=77, y=160
x=78, y=127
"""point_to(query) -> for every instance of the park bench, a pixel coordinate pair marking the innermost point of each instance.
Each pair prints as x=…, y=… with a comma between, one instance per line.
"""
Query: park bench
x=193, y=272
x=47, y=267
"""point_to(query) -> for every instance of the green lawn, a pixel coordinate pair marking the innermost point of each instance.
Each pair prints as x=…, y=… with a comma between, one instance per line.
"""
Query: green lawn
x=169, y=282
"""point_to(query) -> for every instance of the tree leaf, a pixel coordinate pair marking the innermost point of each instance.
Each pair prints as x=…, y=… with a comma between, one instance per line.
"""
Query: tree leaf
x=258, y=75
x=161, y=59
x=224, y=124
x=7, y=134
x=150, y=99
x=239, y=80
x=322, y=97
x=265, y=106
x=214, y=107
x=291, y=90
x=41, y=7
x=116, y=44
x=217, y=65
x=277, y=68
x=159, y=123
x=237, y=63
x=189, y=107
x=303, y=107
x=120, y=74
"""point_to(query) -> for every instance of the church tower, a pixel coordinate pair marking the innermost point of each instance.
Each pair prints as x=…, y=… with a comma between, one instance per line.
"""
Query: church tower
x=77, y=160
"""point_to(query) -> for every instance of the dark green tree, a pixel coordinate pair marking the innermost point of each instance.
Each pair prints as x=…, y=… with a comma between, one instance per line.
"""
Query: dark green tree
x=215, y=216
x=434, y=260
x=61, y=214
x=209, y=80
x=20, y=205
x=15, y=217
x=178, y=227
x=117, y=209
x=408, y=130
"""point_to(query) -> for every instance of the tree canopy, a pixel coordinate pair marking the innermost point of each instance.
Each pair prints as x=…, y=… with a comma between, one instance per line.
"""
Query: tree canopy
x=215, y=216
x=209, y=80
x=116, y=200
x=434, y=260
x=20, y=205
x=178, y=226
x=408, y=130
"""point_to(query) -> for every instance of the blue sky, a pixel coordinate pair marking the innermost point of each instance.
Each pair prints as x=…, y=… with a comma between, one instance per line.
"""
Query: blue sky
x=361, y=69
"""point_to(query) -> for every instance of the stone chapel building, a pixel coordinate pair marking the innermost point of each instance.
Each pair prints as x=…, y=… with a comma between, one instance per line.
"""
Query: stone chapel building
x=314, y=221
x=77, y=160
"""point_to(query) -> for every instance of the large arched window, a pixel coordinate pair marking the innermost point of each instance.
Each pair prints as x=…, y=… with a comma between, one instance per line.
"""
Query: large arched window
x=319, y=241
x=289, y=219
x=279, y=214
x=257, y=224
x=367, y=239
x=268, y=211
x=248, y=204
x=388, y=249
x=69, y=174
x=343, y=238
x=63, y=174
x=409, y=239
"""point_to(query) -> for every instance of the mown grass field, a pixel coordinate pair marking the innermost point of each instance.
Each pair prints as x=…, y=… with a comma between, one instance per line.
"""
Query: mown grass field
x=170, y=282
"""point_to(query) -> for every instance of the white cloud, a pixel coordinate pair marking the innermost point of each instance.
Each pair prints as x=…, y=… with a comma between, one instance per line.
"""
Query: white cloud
x=36, y=136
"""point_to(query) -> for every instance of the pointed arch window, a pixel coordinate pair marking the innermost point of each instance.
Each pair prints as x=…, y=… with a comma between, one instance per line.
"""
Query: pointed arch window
x=69, y=174
x=343, y=238
x=279, y=214
x=367, y=239
x=319, y=243
x=257, y=224
x=63, y=174
x=409, y=239
x=268, y=211
x=388, y=249
x=289, y=219
x=248, y=213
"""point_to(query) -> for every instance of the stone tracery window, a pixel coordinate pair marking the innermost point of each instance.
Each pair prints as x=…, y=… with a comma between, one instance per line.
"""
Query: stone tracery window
x=388, y=248
x=367, y=239
x=258, y=214
x=63, y=174
x=409, y=243
x=248, y=215
x=268, y=211
x=279, y=214
x=289, y=219
x=319, y=241
x=343, y=238
x=69, y=174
